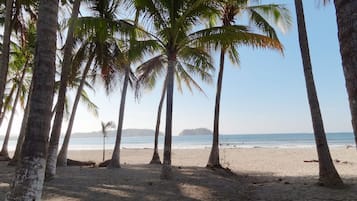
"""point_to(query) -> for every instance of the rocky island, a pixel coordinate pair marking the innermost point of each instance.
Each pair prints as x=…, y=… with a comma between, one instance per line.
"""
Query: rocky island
x=196, y=131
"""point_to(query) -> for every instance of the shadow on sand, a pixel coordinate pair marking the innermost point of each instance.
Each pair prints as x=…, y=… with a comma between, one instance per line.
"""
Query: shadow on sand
x=142, y=183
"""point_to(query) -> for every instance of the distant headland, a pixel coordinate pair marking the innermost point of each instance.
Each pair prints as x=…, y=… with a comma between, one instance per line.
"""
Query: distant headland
x=196, y=131
x=131, y=132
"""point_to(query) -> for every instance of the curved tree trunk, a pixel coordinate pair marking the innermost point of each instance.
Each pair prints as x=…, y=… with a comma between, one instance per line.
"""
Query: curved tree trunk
x=57, y=124
x=347, y=35
x=327, y=172
x=115, y=161
x=166, y=172
x=29, y=177
x=6, y=104
x=213, y=161
x=156, y=157
x=62, y=156
x=4, y=63
x=4, y=150
x=21, y=138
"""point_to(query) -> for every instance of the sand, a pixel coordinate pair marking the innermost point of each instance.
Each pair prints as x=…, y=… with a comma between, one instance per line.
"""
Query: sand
x=262, y=174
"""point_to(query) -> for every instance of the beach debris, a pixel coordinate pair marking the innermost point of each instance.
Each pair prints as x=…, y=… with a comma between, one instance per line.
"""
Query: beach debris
x=80, y=163
x=311, y=161
x=104, y=163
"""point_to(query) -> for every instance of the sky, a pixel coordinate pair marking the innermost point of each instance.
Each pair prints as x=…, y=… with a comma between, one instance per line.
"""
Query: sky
x=265, y=94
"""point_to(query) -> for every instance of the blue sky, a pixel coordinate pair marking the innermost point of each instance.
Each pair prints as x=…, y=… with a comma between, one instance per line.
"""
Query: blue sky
x=265, y=94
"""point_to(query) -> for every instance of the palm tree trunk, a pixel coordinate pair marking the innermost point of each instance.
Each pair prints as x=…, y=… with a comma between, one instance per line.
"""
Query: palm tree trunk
x=327, y=172
x=166, y=172
x=347, y=35
x=4, y=63
x=29, y=177
x=57, y=124
x=103, y=148
x=115, y=161
x=156, y=157
x=62, y=156
x=20, y=140
x=6, y=103
x=4, y=150
x=213, y=161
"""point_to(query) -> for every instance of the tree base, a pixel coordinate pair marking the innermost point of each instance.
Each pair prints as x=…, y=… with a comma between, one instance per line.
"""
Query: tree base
x=61, y=162
x=155, y=159
x=166, y=172
x=214, y=165
x=104, y=163
x=113, y=164
x=331, y=182
x=4, y=158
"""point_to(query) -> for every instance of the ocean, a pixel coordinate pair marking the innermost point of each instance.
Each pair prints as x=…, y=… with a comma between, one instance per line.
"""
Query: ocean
x=289, y=140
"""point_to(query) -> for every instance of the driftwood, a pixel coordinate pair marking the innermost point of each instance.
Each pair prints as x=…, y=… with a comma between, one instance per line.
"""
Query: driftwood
x=80, y=163
x=311, y=161
x=336, y=161
x=104, y=163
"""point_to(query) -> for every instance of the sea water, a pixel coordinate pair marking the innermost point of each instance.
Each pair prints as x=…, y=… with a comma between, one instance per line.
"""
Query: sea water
x=288, y=140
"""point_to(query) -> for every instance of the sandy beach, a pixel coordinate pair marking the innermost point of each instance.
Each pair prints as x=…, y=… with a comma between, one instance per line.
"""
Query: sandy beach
x=262, y=174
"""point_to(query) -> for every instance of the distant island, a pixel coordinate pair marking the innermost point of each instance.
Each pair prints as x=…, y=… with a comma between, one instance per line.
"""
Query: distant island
x=196, y=131
x=131, y=132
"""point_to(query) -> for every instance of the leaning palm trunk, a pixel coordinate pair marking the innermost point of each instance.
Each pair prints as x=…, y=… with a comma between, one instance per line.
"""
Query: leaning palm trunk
x=7, y=103
x=21, y=138
x=57, y=124
x=156, y=157
x=115, y=161
x=4, y=150
x=62, y=156
x=166, y=168
x=213, y=161
x=4, y=63
x=29, y=177
x=347, y=35
x=327, y=171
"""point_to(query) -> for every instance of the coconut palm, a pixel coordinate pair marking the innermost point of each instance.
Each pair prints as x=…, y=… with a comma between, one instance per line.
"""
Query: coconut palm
x=66, y=67
x=327, y=172
x=4, y=58
x=347, y=35
x=97, y=46
x=259, y=19
x=105, y=127
x=80, y=95
x=151, y=70
x=21, y=59
x=173, y=23
x=29, y=177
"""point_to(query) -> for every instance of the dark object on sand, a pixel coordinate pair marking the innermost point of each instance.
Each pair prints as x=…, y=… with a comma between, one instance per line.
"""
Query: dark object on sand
x=80, y=163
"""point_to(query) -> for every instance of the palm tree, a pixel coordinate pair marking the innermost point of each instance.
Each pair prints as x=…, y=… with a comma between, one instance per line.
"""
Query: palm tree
x=105, y=126
x=97, y=46
x=4, y=58
x=347, y=35
x=327, y=172
x=29, y=176
x=19, y=79
x=66, y=67
x=173, y=29
x=173, y=23
x=62, y=156
x=258, y=15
